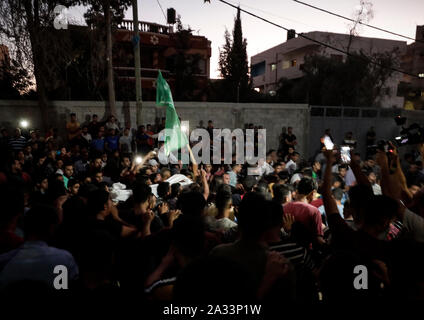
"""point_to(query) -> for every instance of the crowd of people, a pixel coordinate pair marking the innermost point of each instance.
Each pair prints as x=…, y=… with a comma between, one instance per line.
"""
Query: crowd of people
x=294, y=232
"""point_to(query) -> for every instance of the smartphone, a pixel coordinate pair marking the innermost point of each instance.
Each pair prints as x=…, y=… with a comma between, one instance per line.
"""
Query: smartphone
x=345, y=154
x=329, y=145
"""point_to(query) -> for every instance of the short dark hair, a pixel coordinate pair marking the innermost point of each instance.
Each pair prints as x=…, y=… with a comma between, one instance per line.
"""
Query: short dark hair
x=192, y=203
x=281, y=191
x=306, y=186
x=163, y=189
x=252, y=221
x=141, y=193
x=39, y=219
x=337, y=193
x=97, y=200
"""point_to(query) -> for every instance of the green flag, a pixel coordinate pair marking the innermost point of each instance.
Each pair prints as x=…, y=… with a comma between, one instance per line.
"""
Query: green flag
x=174, y=138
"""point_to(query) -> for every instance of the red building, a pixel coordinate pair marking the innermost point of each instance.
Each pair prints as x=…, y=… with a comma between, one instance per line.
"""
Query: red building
x=178, y=55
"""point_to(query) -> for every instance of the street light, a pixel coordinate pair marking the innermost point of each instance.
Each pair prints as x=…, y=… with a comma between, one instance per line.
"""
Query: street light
x=24, y=124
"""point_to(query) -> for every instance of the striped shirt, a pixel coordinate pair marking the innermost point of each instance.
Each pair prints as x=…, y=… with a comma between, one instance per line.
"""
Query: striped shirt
x=297, y=254
x=17, y=143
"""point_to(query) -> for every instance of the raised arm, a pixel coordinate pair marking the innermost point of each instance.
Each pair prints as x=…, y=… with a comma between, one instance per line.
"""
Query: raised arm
x=330, y=204
x=205, y=184
x=359, y=175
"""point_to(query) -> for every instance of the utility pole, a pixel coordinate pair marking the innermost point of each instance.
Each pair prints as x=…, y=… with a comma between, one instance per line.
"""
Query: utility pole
x=138, y=99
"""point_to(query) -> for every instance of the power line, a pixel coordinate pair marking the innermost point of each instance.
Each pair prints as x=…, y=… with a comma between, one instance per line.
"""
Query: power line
x=319, y=42
x=275, y=15
x=163, y=12
x=352, y=20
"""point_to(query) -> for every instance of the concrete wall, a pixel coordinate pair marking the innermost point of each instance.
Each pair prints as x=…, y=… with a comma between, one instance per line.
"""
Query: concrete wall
x=309, y=123
x=225, y=115
x=359, y=121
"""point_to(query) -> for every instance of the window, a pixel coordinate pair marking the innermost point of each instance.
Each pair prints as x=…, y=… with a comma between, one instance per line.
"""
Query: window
x=273, y=67
x=293, y=63
x=421, y=75
x=258, y=69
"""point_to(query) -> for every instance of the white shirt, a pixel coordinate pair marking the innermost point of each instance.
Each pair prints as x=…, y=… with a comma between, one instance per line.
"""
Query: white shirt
x=291, y=166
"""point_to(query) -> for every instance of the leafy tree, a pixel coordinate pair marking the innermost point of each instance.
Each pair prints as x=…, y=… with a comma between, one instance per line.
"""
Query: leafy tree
x=233, y=63
x=353, y=82
x=14, y=80
x=106, y=14
x=25, y=27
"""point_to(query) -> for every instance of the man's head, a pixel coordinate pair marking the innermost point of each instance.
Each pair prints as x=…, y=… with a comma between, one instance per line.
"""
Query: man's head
x=414, y=188
x=40, y=223
x=164, y=189
x=210, y=124
x=97, y=163
x=68, y=170
x=226, y=178
x=282, y=193
x=236, y=168
x=306, y=188
x=342, y=171
x=369, y=162
x=16, y=166
x=253, y=218
x=337, y=195
x=165, y=174
x=316, y=166
x=289, y=130
x=126, y=162
x=141, y=194
x=17, y=132
x=95, y=118
x=295, y=156
x=73, y=187
x=99, y=202
x=278, y=167
x=372, y=178
x=101, y=132
x=192, y=203
x=73, y=117
x=98, y=176
x=84, y=129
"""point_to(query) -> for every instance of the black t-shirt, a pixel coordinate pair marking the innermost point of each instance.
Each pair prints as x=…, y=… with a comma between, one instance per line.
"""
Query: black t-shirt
x=289, y=138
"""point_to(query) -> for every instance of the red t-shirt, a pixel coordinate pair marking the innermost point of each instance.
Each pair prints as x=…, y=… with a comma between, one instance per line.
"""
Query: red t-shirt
x=306, y=214
x=317, y=203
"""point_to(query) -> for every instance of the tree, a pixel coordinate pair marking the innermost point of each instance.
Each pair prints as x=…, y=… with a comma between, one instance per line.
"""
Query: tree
x=184, y=65
x=14, y=80
x=233, y=63
x=356, y=81
x=106, y=14
x=25, y=28
x=363, y=14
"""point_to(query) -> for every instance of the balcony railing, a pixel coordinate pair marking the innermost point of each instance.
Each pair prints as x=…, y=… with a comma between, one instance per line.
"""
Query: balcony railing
x=146, y=27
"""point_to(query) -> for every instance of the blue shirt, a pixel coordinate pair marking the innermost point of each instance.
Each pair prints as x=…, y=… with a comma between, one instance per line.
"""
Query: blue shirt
x=35, y=261
x=112, y=142
x=233, y=178
x=98, y=144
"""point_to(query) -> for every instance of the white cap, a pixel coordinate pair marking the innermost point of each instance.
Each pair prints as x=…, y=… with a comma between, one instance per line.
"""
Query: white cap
x=153, y=162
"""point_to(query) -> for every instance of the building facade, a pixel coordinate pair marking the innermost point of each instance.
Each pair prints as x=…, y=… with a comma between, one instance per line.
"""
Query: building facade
x=286, y=59
x=161, y=49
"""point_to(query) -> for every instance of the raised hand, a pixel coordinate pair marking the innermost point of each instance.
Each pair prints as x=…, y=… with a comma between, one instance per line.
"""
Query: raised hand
x=288, y=220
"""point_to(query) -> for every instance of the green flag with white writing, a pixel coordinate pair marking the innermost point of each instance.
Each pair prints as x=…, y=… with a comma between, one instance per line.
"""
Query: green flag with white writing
x=174, y=138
